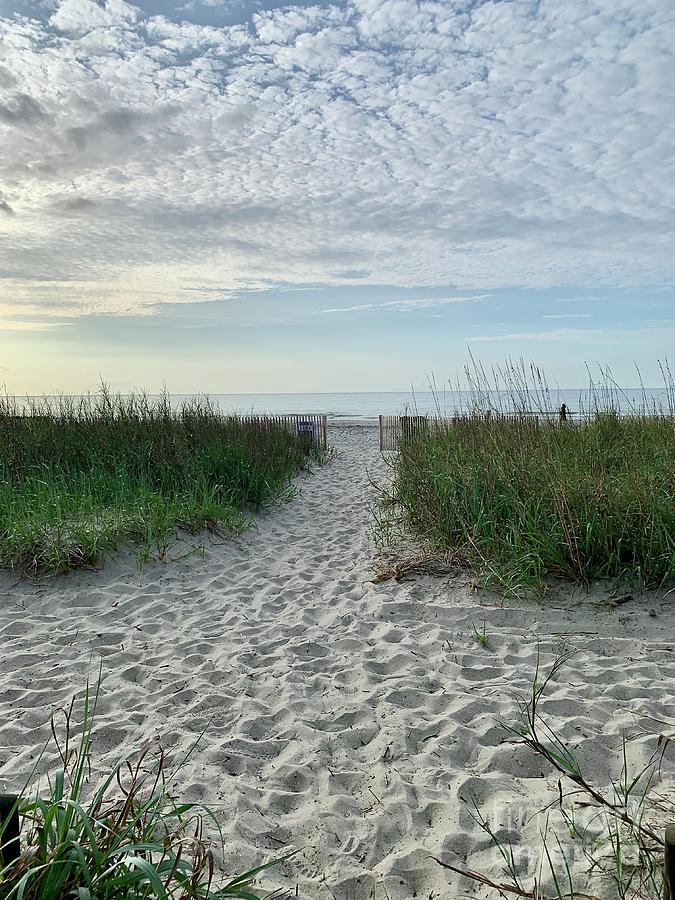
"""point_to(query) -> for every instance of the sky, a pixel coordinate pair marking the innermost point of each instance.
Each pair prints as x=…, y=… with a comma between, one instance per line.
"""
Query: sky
x=255, y=196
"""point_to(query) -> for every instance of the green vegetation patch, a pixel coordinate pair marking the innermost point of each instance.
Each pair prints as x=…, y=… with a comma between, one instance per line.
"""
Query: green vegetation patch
x=77, y=476
x=521, y=500
x=119, y=837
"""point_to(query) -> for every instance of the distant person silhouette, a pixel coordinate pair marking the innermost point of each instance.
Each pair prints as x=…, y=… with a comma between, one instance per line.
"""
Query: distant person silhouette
x=563, y=413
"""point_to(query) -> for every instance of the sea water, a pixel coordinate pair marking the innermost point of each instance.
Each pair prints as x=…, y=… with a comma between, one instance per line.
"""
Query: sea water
x=366, y=406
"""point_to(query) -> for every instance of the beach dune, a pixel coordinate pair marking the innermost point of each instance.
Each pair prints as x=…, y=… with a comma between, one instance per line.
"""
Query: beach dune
x=351, y=720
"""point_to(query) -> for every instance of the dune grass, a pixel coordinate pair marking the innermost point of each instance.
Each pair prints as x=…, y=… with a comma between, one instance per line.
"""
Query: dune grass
x=521, y=499
x=78, y=476
x=120, y=837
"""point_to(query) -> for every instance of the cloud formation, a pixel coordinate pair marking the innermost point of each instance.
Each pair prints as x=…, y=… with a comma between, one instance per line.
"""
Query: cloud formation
x=480, y=144
x=404, y=305
x=567, y=316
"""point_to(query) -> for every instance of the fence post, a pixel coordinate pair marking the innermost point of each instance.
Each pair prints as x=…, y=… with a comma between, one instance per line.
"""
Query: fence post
x=381, y=433
x=669, y=864
x=9, y=829
x=324, y=429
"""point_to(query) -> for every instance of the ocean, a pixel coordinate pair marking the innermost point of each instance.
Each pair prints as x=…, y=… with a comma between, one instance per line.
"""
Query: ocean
x=365, y=406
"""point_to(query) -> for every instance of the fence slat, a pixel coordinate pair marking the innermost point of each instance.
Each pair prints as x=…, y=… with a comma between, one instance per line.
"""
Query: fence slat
x=395, y=430
x=9, y=829
x=293, y=422
x=669, y=864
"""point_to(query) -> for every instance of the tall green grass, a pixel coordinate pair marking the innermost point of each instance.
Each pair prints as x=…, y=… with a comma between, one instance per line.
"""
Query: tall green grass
x=521, y=499
x=77, y=476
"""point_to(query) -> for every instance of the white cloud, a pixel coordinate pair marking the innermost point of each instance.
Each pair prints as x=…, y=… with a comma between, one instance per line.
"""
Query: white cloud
x=595, y=337
x=404, y=305
x=77, y=17
x=582, y=299
x=567, y=316
x=515, y=144
x=17, y=325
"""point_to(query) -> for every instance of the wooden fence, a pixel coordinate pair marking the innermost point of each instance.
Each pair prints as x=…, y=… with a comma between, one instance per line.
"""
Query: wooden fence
x=669, y=864
x=313, y=428
x=397, y=430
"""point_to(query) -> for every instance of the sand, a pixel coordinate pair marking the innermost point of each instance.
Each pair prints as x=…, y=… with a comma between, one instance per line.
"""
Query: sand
x=351, y=720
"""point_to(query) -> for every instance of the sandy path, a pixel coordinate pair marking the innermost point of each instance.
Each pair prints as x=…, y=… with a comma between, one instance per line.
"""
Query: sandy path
x=344, y=718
